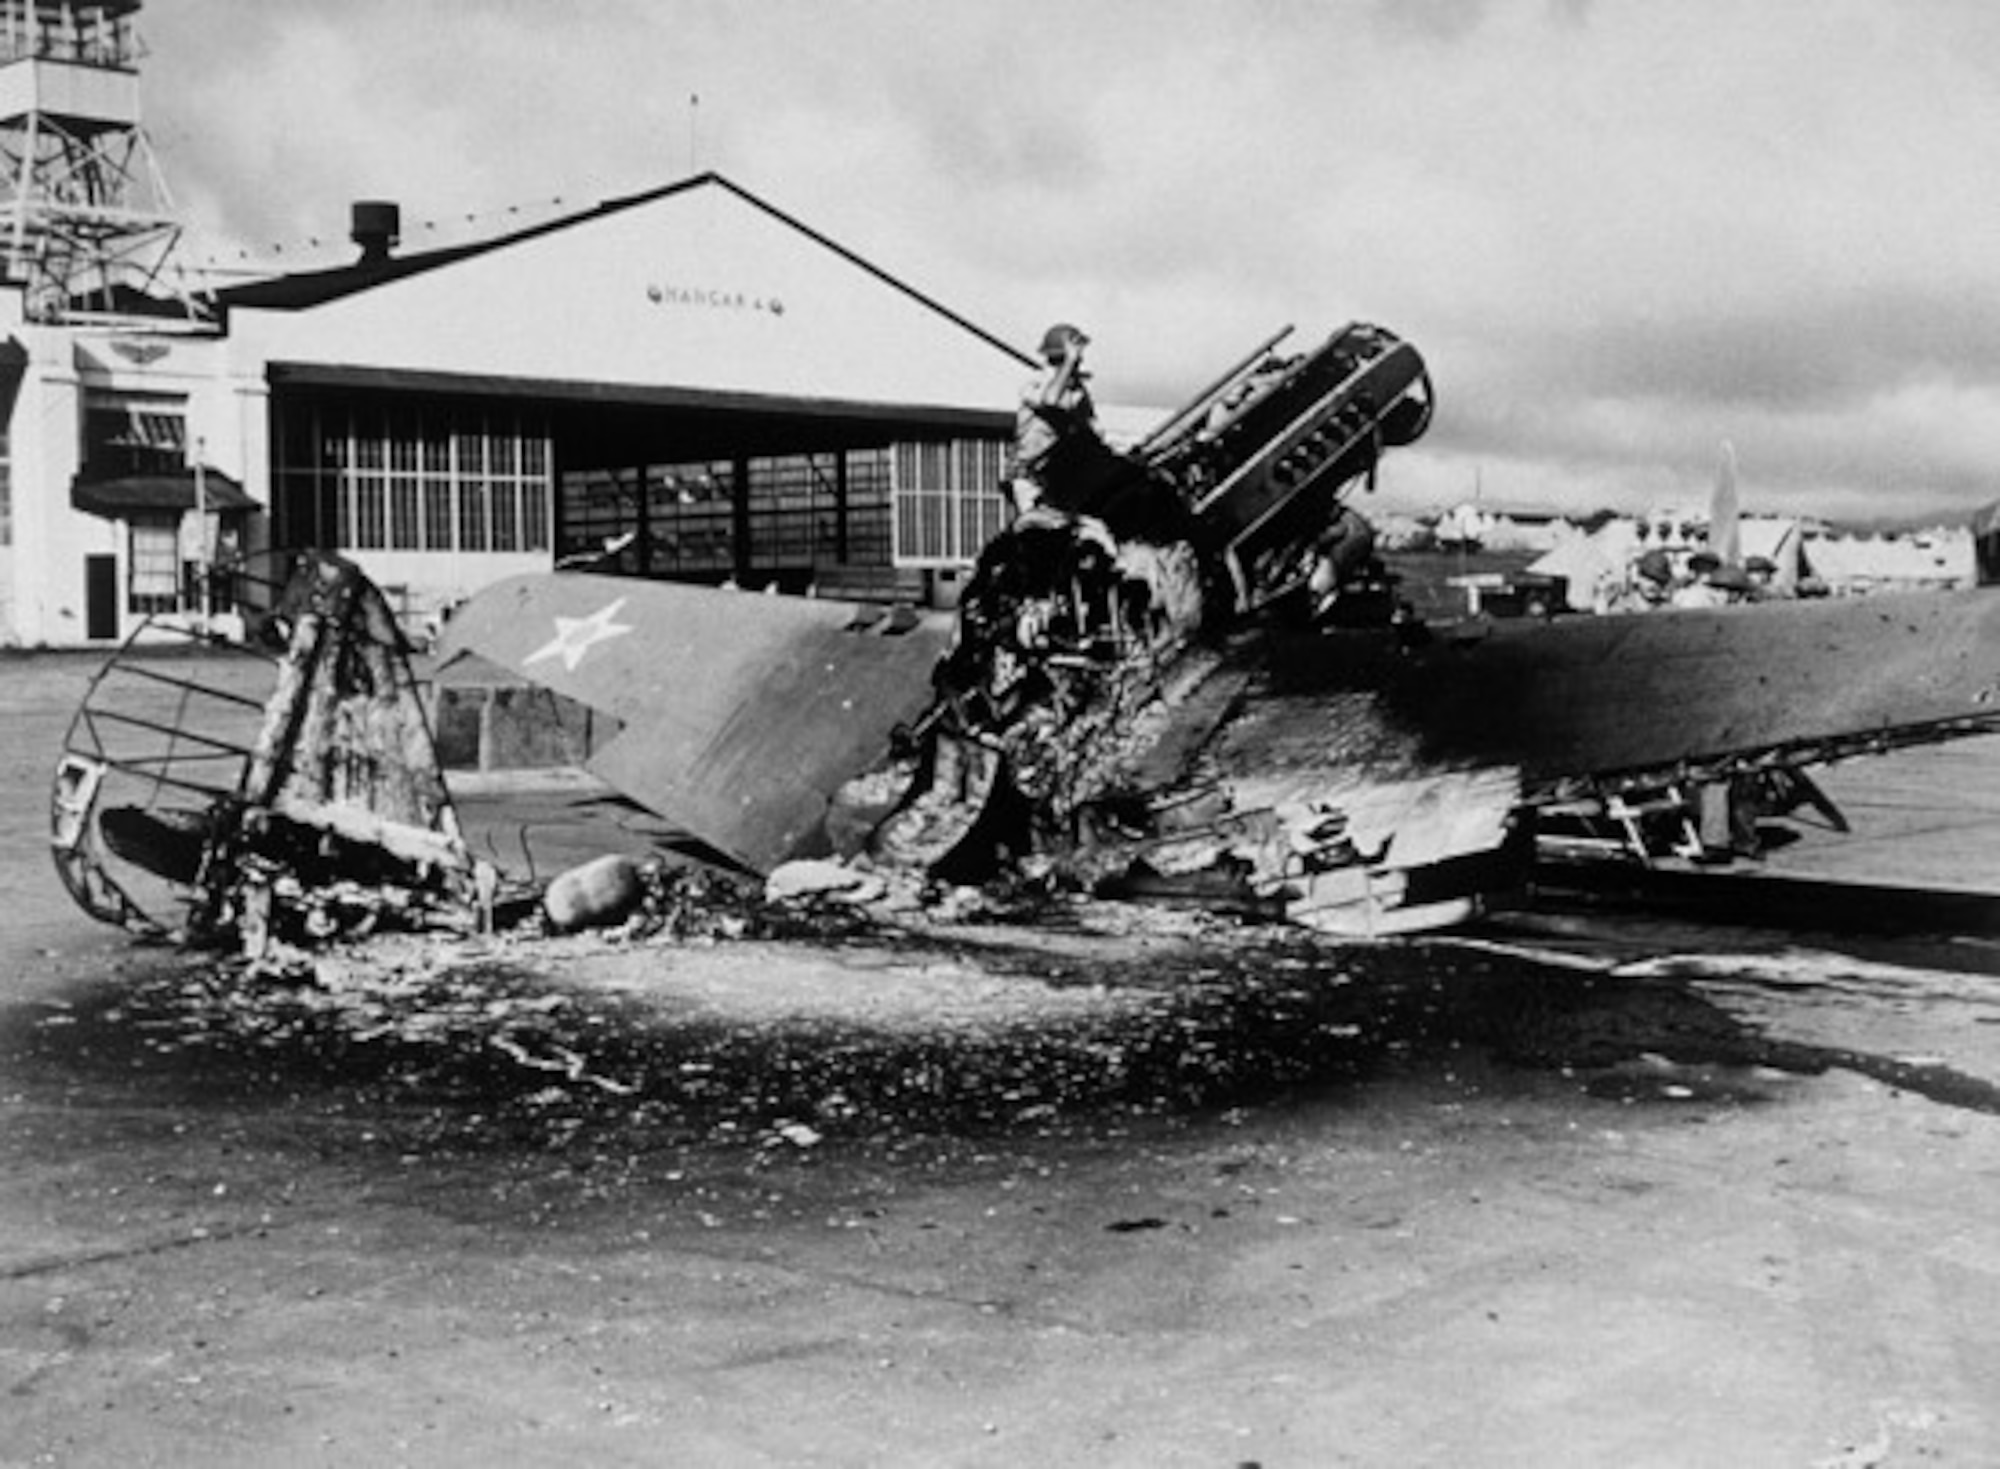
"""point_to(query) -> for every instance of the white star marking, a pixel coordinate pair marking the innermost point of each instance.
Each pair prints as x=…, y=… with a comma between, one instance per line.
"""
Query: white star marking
x=576, y=636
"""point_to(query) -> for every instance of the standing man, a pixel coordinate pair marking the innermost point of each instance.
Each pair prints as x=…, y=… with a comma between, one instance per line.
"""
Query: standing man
x=1055, y=415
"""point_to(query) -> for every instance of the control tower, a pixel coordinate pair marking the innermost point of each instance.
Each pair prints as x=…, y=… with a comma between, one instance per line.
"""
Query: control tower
x=86, y=225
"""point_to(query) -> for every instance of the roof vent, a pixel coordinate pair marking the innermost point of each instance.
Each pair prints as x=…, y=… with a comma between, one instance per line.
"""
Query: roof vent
x=378, y=223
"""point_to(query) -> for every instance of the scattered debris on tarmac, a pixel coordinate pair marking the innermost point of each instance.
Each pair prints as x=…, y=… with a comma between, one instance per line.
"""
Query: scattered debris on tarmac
x=714, y=1015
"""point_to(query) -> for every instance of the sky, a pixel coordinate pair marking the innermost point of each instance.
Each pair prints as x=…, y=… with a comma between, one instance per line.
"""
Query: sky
x=1621, y=232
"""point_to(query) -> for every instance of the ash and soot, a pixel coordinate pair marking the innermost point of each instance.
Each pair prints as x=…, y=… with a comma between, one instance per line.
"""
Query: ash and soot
x=875, y=1036
x=763, y=1037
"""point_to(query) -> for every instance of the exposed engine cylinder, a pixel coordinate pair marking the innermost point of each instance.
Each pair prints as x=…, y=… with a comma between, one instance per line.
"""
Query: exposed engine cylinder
x=1081, y=613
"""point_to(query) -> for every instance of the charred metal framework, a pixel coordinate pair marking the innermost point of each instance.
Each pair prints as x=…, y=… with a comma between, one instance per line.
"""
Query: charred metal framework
x=1640, y=816
x=91, y=229
x=284, y=788
x=1089, y=682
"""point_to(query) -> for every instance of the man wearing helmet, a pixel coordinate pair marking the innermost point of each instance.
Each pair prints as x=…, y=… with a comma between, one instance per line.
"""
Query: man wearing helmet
x=1055, y=415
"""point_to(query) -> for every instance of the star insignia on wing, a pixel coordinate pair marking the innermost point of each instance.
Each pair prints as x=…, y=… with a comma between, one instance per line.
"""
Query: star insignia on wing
x=576, y=636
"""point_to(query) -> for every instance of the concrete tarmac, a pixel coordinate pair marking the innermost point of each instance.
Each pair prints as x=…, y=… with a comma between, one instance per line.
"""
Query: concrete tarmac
x=1635, y=1191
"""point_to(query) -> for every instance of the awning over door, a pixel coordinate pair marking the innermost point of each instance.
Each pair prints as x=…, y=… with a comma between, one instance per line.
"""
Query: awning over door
x=118, y=498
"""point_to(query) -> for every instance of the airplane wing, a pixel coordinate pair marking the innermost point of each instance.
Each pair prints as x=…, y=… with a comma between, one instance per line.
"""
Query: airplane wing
x=1587, y=702
x=742, y=712
x=1378, y=774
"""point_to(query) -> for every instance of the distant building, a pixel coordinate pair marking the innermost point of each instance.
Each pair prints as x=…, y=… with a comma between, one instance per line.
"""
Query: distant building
x=1501, y=528
x=1917, y=561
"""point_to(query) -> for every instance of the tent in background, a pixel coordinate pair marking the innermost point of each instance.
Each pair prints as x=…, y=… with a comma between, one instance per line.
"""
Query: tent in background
x=1780, y=542
x=1591, y=570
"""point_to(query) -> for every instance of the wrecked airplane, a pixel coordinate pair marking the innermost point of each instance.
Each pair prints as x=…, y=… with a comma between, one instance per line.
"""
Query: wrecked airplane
x=1184, y=677
x=291, y=793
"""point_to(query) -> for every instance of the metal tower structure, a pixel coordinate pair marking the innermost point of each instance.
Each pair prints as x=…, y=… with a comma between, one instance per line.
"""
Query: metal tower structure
x=89, y=228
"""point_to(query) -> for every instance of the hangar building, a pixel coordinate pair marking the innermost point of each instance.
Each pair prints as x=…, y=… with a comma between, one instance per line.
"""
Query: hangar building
x=687, y=382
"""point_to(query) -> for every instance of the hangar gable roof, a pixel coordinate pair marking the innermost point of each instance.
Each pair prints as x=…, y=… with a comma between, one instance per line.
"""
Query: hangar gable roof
x=700, y=285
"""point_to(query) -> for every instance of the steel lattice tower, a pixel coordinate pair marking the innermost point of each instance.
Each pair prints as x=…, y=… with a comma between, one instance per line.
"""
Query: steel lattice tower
x=89, y=228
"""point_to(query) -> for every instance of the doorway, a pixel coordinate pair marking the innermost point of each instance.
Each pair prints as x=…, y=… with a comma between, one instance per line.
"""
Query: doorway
x=100, y=597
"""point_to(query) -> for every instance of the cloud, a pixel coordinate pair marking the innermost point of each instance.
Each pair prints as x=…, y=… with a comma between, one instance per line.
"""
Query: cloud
x=1618, y=232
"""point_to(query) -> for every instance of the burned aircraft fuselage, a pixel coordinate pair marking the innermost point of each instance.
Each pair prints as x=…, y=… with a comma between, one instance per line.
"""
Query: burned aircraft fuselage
x=295, y=800
x=1110, y=642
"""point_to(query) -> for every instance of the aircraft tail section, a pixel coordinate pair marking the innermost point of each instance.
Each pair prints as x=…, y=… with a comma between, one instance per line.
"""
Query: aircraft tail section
x=282, y=788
